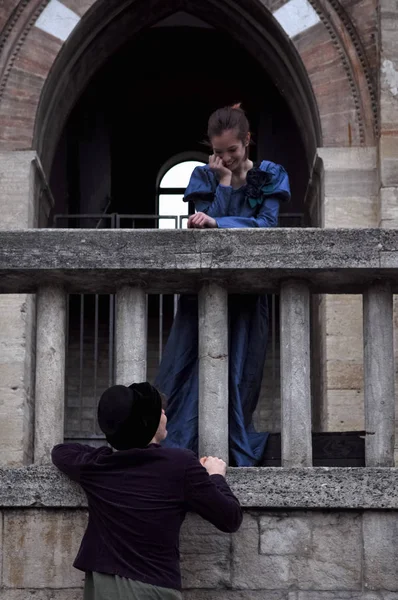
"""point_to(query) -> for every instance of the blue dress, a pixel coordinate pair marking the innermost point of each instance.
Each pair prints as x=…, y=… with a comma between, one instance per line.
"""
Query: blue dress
x=255, y=204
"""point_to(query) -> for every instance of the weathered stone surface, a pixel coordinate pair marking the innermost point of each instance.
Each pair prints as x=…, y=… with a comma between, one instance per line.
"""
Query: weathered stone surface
x=38, y=486
x=233, y=595
x=354, y=211
x=50, y=371
x=389, y=207
x=213, y=371
x=339, y=595
x=333, y=559
x=1, y=548
x=380, y=534
x=16, y=379
x=348, y=159
x=344, y=410
x=131, y=335
x=295, y=374
x=283, y=536
x=389, y=160
x=205, y=555
x=37, y=594
x=345, y=375
x=251, y=570
x=379, y=376
x=167, y=260
x=271, y=487
x=350, y=187
x=40, y=547
x=17, y=177
x=329, y=556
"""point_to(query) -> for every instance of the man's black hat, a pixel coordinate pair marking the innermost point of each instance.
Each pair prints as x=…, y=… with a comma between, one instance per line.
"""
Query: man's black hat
x=130, y=416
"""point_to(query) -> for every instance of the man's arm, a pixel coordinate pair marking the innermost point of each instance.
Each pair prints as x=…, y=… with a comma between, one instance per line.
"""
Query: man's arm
x=72, y=458
x=211, y=497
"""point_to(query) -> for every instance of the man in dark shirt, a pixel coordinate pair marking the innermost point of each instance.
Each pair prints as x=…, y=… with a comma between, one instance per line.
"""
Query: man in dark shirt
x=138, y=497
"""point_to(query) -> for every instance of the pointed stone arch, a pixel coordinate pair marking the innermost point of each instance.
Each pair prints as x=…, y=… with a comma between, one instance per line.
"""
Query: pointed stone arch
x=42, y=73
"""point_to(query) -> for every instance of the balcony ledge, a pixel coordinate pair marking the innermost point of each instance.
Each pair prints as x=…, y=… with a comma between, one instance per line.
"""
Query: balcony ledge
x=272, y=488
x=245, y=260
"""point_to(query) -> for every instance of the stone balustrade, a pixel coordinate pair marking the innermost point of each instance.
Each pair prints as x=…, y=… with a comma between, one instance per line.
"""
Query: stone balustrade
x=132, y=263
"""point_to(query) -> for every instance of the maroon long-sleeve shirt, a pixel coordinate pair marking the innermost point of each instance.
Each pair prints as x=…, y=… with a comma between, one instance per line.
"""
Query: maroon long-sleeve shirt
x=137, y=501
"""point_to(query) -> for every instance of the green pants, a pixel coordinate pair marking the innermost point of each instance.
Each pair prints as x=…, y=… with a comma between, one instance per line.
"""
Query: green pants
x=98, y=586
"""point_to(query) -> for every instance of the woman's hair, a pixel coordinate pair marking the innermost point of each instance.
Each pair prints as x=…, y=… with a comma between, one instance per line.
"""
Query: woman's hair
x=229, y=117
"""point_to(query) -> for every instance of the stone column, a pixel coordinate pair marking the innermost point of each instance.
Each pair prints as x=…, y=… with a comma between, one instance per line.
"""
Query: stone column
x=20, y=186
x=379, y=373
x=50, y=371
x=295, y=374
x=213, y=371
x=131, y=335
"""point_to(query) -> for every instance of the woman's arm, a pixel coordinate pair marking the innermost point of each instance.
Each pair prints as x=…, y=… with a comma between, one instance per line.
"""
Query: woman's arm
x=219, y=206
x=208, y=196
x=267, y=217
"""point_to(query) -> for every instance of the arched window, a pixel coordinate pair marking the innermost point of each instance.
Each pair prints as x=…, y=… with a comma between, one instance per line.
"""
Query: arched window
x=173, y=179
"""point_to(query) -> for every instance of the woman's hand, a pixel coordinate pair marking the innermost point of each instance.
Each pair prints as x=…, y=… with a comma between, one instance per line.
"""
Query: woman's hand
x=216, y=165
x=201, y=221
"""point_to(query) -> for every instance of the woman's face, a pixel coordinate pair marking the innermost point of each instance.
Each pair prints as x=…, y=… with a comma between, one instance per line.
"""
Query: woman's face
x=231, y=150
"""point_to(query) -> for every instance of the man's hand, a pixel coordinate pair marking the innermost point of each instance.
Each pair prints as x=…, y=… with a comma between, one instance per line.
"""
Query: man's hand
x=201, y=221
x=223, y=173
x=213, y=465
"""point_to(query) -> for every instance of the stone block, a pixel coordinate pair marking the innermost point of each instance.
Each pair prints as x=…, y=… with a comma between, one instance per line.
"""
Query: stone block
x=337, y=595
x=343, y=159
x=281, y=535
x=329, y=558
x=335, y=561
x=1, y=548
x=380, y=534
x=205, y=555
x=350, y=184
x=352, y=211
x=40, y=547
x=17, y=185
x=343, y=322
x=35, y=594
x=252, y=570
x=389, y=161
x=344, y=375
x=389, y=207
x=344, y=410
x=233, y=595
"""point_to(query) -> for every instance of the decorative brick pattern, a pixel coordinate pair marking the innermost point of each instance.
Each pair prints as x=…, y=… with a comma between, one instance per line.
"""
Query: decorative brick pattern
x=340, y=97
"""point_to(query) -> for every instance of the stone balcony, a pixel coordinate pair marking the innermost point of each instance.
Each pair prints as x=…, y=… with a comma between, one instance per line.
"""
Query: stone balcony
x=131, y=263
x=309, y=533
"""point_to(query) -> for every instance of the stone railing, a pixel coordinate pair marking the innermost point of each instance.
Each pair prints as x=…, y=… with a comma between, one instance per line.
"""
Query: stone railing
x=132, y=263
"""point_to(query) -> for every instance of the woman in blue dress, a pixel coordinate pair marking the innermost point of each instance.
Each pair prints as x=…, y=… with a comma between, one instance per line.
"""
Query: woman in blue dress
x=228, y=192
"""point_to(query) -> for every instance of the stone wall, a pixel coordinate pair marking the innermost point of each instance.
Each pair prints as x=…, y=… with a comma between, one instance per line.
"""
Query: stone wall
x=19, y=188
x=276, y=555
x=350, y=200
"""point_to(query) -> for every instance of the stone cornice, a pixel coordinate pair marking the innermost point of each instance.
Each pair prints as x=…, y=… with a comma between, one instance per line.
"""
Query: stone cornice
x=271, y=488
x=167, y=261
